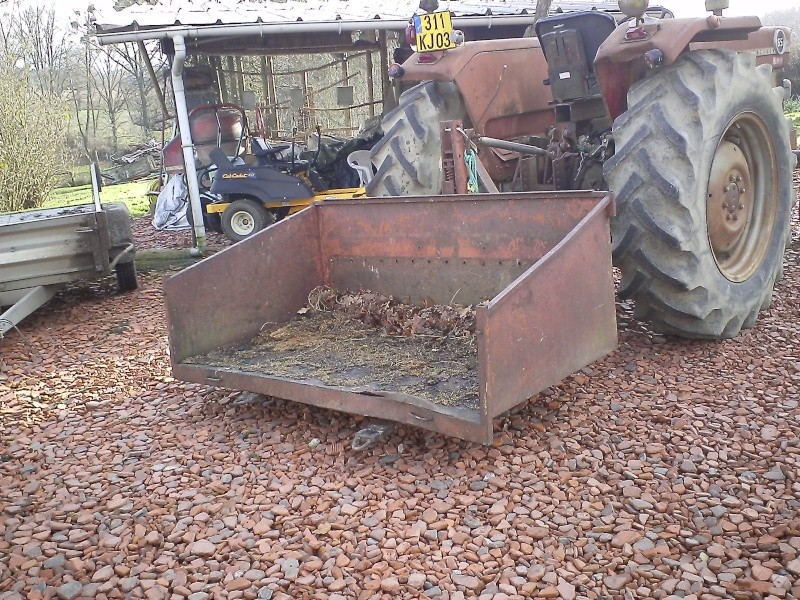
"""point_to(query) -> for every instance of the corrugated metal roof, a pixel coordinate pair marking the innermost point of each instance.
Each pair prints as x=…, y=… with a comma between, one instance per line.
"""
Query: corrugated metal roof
x=213, y=12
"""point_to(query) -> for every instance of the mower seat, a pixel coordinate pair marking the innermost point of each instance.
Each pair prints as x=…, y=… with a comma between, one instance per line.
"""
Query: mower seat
x=267, y=156
x=263, y=149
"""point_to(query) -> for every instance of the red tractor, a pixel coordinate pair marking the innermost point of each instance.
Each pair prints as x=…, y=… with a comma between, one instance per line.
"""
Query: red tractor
x=681, y=118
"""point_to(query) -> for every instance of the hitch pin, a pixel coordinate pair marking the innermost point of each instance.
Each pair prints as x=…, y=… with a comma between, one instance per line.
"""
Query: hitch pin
x=473, y=146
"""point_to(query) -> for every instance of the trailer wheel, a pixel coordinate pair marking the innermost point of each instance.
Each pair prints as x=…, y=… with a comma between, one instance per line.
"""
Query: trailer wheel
x=126, y=276
x=409, y=156
x=702, y=174
x=245, y=217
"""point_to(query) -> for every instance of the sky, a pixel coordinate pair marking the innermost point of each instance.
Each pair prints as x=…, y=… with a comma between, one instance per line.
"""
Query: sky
x=693, y=8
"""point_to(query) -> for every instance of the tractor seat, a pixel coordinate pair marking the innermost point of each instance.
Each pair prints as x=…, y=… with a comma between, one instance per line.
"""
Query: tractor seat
x=570, y=43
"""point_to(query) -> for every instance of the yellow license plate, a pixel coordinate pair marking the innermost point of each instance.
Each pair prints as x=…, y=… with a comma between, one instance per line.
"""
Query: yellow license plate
x=433, y=31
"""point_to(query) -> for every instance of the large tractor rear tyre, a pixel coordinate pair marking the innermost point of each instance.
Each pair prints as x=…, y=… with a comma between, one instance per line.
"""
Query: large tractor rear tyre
x=408, y=157
x=702, y=174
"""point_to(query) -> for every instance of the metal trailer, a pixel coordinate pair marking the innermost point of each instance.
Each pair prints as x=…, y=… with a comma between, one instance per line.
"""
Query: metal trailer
x=537, y=267
x=41, y=250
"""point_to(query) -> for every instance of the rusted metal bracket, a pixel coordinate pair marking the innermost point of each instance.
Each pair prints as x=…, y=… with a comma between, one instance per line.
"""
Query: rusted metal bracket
x=453, y=165
x=369, y=436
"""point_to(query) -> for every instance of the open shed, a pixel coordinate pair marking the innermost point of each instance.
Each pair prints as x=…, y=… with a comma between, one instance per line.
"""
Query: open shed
x=212, y=38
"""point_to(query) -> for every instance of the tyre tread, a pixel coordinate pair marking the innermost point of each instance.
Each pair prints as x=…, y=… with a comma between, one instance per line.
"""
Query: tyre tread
x=659, y=140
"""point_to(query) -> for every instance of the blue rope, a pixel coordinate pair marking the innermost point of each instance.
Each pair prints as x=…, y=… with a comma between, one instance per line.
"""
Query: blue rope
x=471, y=160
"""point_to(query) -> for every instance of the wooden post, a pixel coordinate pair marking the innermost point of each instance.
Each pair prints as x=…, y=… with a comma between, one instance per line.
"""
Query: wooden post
x=370, y=85
x=348, y=117
x=389, y=101
x=273, y=107
x=223, y=85
x=240, y=77
x=233, y=94
x=305, y=110
x=542, y=8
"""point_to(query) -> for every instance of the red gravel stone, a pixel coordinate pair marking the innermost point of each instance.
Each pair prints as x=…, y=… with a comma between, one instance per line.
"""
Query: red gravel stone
x=670, y=467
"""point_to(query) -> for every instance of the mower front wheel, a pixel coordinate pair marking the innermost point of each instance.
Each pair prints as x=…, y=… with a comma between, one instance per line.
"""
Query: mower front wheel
x=245, y=217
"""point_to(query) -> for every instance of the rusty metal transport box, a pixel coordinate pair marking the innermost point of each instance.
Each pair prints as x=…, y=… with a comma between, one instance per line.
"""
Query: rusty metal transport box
x=536, y=266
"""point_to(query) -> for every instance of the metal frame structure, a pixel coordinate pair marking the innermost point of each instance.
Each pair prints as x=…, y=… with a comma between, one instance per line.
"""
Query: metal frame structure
x=210, y=30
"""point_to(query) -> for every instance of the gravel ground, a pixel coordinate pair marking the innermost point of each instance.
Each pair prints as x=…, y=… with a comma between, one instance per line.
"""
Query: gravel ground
x=670, y=469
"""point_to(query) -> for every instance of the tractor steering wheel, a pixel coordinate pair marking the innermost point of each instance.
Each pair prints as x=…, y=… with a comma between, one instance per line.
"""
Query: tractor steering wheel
x=664, y=14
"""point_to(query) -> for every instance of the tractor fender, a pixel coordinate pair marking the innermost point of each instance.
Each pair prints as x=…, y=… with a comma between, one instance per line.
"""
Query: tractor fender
x=500, y=81
x=620, y=61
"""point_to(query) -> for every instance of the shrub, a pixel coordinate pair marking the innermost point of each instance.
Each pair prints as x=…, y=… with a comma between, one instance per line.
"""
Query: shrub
x=32, y=135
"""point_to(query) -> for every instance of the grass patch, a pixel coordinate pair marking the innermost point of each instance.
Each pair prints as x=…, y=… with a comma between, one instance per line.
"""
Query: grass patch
x=132, y=193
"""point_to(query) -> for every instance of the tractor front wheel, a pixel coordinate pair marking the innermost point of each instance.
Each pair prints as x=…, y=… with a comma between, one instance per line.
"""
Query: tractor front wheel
x=409, y=156
x=702, y=174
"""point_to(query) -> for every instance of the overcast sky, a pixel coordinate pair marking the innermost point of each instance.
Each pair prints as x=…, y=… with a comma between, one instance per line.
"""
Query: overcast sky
x=692, y=8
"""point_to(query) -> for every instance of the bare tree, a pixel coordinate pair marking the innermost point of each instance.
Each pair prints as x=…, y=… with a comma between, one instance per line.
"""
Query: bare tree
x=43, y=45
x=9, y=43
x=130, y=60
x=107, y=81
x=79, y=85
x=81, y=99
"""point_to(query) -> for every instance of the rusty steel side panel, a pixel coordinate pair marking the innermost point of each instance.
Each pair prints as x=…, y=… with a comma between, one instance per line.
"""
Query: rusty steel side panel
x=556, y=319
x=451, y=248
x=228, y=297
x=505, y=95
